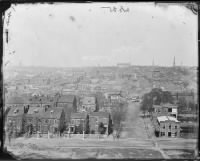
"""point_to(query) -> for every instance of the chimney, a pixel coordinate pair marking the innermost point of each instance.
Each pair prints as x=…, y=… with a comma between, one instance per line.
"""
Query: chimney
x=36, y=110
x=16, y=110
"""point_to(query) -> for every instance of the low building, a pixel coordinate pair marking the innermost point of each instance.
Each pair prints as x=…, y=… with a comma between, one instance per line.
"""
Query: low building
x=167, y=126
x=165, y=109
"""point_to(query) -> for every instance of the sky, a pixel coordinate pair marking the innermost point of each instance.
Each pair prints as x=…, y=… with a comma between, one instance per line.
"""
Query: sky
x=86, y=34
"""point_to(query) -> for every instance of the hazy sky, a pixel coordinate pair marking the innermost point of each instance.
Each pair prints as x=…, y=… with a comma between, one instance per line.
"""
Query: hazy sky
x=66, y=35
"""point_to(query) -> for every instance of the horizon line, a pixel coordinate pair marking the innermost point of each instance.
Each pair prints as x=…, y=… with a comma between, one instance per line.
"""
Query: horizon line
x=97, y=66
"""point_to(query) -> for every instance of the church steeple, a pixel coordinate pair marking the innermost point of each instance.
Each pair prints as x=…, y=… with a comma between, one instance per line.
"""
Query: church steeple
x=153, y=64
x=174, y=62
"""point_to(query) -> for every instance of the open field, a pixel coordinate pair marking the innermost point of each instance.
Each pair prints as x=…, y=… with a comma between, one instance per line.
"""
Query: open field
x=73, y=148
x=104, y=148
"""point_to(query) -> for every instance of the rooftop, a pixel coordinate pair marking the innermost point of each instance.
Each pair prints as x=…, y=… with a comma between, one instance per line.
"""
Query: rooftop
x=53, y=112
x=166, y=118
x=66, y=98
x=79, y=115
x=99, y=114
x=89, y=100
x=17, y=111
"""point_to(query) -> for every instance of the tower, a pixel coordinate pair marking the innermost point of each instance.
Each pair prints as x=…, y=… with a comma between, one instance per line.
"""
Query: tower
x=153, y=64
x=174, y=63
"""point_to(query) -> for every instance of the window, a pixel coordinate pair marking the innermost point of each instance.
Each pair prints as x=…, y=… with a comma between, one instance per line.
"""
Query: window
x=169, y=126
x=104, y=120
x=175, y=134
x=169, y=134
x=163, y=126
x=162, y=133
x=175, y=127
x=46, y=121
x=169, y=109
x=77, y=122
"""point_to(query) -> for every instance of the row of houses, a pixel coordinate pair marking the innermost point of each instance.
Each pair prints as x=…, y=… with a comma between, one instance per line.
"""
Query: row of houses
x=89, y=103
x=53, y=120
x=54, y=114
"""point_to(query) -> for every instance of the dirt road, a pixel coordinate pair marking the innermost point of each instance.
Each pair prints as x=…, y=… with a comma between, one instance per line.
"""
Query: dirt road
x=134, y=124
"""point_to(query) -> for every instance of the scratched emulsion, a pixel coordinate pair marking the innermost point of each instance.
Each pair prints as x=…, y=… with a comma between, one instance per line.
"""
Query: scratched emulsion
x=100, y=60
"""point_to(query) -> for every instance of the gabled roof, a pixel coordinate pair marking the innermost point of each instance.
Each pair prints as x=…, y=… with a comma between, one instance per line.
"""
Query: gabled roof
x=78, y=115
x=168, y=105
x=165, y=105
x=14, y=100
x=99, y=114
x=15, y=111
x=53, y=112
x=34, y=100
x=35, y=110
x=66, y=99
x=88, y=100
x=40, y=100
x=159, y=106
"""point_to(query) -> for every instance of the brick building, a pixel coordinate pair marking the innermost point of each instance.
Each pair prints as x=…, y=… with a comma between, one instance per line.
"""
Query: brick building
x=15, y=119
x=167, y=126
x=78, y=119
x=97, y=117
x=165, y=110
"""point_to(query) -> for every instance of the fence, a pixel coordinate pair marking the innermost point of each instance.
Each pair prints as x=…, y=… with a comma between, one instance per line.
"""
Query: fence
x=75, y=136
